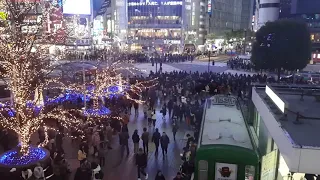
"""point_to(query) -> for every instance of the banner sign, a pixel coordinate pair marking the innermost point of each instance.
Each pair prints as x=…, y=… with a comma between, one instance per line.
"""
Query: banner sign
x=154, y=3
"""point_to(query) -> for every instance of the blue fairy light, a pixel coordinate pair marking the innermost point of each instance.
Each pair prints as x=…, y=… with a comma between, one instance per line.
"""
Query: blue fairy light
x=12, y=158
x=102, y=111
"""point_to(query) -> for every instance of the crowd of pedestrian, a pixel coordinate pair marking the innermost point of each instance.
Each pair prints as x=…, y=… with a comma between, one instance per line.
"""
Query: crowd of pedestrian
x=240, y=63
x=182, y=96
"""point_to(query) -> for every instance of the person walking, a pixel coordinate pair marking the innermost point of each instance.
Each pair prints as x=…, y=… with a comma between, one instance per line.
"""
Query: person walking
x=154, y=117
x=164, y=141
x=135, y=138
x=141, y=162
x=82, y=155
x=159, y=176
x=101, y=154
x=149, y=114
x=145, y=140
x=38, y=172
x=156, y=140
x=124, y=137
x=175, y=128
x=164, y=111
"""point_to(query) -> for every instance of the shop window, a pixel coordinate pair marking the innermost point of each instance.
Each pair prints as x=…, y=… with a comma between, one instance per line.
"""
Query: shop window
x=203, y=170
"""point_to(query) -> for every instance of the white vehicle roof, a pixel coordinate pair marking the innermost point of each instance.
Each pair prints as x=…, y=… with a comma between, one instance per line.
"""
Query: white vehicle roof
x=224, y=124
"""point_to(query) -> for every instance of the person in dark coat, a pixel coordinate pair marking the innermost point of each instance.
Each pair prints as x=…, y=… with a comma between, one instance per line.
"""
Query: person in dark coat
x=156, y=139
x=164, y=140
x=124, y=138
x=141, y=162
x=135, y=139
x=159, y=176
x=145, y=140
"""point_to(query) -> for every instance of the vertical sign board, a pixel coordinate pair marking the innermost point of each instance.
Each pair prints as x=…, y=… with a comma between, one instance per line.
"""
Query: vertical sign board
x=209, y=7
x=226, y=171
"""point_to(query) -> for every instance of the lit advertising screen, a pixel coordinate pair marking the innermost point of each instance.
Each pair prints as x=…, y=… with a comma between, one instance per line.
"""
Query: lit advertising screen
x=77, y=7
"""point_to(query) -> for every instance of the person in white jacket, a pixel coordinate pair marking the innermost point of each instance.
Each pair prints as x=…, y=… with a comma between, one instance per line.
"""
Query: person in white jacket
x=38, y=172
x=26, y=173
x=96, y=171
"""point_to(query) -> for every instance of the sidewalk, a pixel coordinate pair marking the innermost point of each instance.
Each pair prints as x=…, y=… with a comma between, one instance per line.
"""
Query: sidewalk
x=169, y=166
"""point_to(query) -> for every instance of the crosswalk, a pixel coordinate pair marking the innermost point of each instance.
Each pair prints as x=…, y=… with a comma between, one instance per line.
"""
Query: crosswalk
x=183, y=66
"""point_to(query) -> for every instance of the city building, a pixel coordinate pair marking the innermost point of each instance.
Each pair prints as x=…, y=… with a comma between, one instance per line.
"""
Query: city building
x=268, y=10
x=195, y=22
x=309, y=12
x=154, y=25
x=228, y=15
x=284, y=121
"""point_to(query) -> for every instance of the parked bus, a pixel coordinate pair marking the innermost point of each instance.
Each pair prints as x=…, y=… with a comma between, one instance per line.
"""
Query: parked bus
x=225, y=148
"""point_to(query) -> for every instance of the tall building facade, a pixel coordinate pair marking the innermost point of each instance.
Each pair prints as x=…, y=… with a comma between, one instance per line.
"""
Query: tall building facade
x=227, y=15
x=154, y=25
x=194, y=21
x=268, y=10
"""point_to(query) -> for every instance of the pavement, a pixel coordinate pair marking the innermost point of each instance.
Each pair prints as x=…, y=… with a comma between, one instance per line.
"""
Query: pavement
x=120, y=167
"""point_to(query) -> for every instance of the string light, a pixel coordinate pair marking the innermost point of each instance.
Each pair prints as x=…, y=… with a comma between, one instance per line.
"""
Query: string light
x=25, y=63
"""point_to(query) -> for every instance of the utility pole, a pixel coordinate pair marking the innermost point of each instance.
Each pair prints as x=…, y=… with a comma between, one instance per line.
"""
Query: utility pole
x=245, y=41
x=209, y=12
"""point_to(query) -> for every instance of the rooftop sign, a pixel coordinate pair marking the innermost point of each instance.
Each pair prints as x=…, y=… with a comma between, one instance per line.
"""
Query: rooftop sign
x=223, y=100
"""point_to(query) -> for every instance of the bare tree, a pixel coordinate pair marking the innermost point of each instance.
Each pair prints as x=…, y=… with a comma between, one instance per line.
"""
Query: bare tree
x=25, y=38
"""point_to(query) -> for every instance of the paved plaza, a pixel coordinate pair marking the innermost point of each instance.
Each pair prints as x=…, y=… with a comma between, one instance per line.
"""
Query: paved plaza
x=120, y=167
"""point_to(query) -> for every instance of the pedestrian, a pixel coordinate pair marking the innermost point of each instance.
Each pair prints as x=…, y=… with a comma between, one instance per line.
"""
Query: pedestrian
x=101, y=154
x=135, y=138
x=164, y=141
x=175, y=128
x=178, y=176
x=136, y=109
x=190, y=139
x=145, y=140
x=26, y=174
x=156, y=140
x=154, y=117
x=160, y=176
x=109, y=132
x=82, y=155
x=164, y=111
x=141, y=162
x=149, y=114
x=38, y=172
x=96, y=169
x=124, y=137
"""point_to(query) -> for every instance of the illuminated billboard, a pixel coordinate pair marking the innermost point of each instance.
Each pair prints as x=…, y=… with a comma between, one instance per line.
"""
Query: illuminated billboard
x=82, y=7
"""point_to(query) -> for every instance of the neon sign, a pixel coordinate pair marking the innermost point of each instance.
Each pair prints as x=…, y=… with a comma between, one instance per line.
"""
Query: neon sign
x=148, y=3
